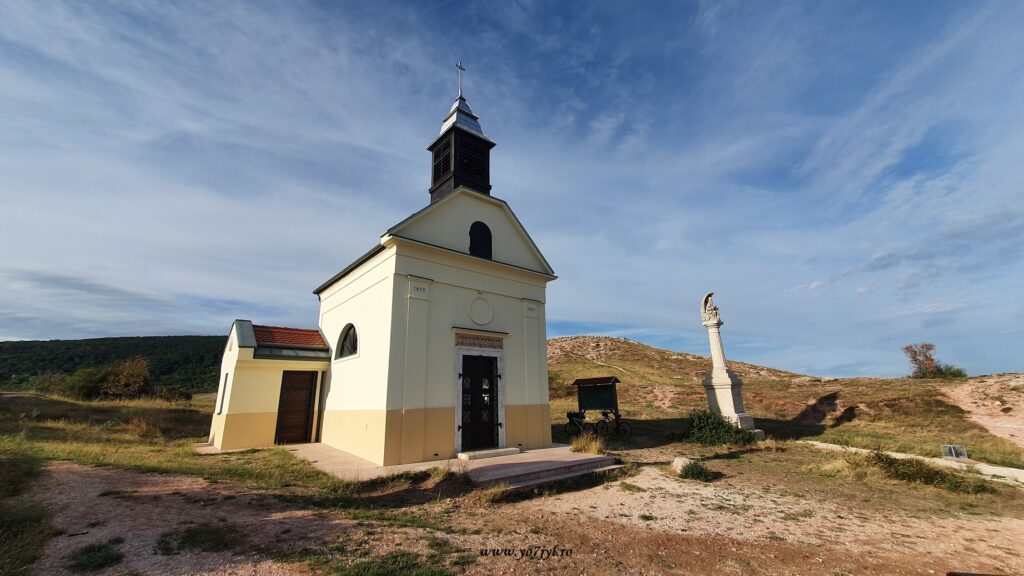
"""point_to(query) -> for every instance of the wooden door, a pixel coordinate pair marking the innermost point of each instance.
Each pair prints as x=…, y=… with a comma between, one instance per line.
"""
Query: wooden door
x=479, y=402
x=295, y=408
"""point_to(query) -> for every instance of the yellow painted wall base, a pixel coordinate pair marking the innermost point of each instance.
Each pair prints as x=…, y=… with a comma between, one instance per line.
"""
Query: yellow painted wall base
x=528, y=426
x=236, y=431
x=358, y=432
x=388, y=437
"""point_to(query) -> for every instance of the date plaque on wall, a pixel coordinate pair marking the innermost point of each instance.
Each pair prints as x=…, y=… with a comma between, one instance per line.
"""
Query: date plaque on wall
x=478, y=341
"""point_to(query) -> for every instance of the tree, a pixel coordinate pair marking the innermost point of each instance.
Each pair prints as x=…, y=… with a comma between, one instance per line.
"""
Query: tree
x=127, y=379
x=925, y=366
x=84, y=384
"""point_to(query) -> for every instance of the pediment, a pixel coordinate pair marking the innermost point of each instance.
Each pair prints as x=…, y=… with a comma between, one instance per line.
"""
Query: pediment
x=446, y=224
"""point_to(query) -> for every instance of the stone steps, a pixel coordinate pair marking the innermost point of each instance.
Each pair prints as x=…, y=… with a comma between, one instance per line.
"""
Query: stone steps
x=491, y=453
x=565, y=476
x=518, y=477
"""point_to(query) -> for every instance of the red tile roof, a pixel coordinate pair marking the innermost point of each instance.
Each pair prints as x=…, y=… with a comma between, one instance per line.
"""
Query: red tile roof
x=294, y=337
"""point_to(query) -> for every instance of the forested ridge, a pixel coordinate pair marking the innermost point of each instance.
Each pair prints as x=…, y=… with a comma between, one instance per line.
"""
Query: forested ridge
x=191, y=362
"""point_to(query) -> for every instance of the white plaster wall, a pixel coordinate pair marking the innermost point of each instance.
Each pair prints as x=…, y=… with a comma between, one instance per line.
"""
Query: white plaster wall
x=454, y=282
x=448, y=226
x=363, y=299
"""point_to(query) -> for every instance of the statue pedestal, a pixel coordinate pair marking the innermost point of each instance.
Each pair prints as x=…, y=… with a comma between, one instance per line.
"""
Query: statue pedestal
x=723, y=387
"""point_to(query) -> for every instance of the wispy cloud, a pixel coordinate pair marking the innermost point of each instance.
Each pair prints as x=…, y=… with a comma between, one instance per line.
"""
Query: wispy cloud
x=165, y=168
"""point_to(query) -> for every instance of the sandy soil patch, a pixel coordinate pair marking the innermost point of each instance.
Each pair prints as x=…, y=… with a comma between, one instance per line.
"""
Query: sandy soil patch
x=93, y=505
x=659, y=502
x=650, y=523
x=995, y=402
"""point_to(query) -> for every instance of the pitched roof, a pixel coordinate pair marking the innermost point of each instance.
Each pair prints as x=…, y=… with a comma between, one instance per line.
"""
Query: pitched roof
x=359, y=262
x=595, y=380
x=394, y=230
x=280, y=336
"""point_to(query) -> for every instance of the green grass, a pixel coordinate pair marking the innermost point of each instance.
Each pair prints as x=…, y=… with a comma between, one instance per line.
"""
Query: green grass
x=627, y=487
x=390, y=564
x=17, y=471
x=24, y=525
x=24, y=530
x=92, y=557
x=105, y=434
x=402, y=519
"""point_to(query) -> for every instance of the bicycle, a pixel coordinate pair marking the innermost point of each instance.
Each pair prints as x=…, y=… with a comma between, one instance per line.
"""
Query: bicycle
x=577, y=424
x=617, y=425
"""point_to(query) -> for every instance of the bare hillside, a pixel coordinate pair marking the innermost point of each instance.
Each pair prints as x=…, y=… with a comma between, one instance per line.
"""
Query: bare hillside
x=898, y=414
x=995, y=401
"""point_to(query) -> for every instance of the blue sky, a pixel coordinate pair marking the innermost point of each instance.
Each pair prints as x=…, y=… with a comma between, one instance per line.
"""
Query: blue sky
x=848, y=177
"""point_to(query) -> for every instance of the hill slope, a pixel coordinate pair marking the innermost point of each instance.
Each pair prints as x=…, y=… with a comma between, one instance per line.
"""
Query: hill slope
x=189, y=361
x=897, y=414
x=659, y=386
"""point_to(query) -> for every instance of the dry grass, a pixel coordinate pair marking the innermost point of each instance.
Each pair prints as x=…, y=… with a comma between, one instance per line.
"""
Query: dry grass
x=491, y=494
x=891, y=414
x=770, y=445
x=143, y=427
x=146, y=435
x=878, y=466
x=588, y=443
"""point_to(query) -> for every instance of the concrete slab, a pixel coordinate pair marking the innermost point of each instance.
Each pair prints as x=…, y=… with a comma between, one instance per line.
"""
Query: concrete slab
x=553, y=461
x=492, y=453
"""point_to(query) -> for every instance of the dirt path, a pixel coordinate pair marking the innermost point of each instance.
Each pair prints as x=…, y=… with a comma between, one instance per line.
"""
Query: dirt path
x=650, y=523
x=93, y=505
x=995, y=402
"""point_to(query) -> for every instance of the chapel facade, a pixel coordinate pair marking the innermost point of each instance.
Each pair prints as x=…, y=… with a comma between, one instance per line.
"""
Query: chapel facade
x=431, y=344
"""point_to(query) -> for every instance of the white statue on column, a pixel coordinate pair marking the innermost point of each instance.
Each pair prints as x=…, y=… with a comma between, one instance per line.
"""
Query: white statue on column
x=723, y=387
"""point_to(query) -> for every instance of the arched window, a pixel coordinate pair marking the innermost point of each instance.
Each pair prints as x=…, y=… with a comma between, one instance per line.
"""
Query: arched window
x=348, y=344
x=480, y=240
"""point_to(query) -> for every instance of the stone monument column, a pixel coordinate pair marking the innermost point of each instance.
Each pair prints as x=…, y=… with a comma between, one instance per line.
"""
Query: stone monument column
x=723, y=387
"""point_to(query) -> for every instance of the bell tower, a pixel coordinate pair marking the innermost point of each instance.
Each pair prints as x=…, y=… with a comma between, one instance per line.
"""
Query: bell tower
x=461, y=153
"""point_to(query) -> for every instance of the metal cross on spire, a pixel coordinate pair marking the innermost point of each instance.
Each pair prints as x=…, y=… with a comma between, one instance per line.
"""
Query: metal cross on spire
x=461, y=70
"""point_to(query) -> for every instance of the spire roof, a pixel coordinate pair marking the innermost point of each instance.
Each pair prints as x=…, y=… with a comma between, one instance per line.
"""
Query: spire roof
x=462, y=115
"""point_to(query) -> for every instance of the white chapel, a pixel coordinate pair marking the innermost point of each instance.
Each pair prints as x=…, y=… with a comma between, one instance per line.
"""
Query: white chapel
x=430, y=344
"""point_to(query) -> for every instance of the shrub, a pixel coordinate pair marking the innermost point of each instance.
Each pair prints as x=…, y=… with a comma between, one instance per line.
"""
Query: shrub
x=925, y=365
x=47, y=382
x=712, y=429
x=589, y=443
x=697, y=471
x=126, y=379
x=84, y=384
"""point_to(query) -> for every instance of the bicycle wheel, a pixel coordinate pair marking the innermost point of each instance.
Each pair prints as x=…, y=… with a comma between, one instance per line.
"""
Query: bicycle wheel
x=601, y=427
x=571, y=429
x=588, y=428
x=625, y=430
